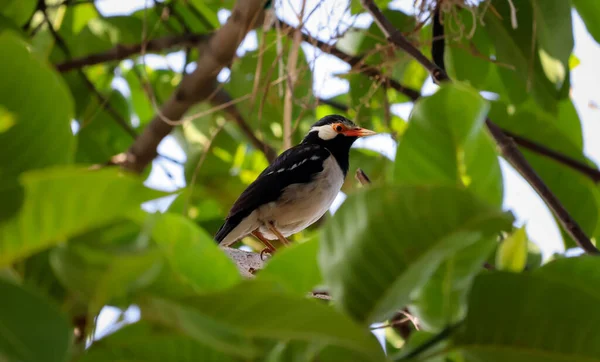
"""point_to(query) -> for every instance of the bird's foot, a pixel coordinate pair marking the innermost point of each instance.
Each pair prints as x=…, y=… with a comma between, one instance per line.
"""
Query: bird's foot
x=266, y=253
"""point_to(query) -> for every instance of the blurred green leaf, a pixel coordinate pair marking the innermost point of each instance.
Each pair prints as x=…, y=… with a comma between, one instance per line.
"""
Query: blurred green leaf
x=64, y=202
x=18, y=10
x=514, y=48
x=143, y=342
x=385, y=242
x=254, y=309
x=467, y=47
x=7, y=119
x=101, y=276
x=189, y=250
x=539, y=316
x=512, y=252
x=100, y=137
x=445, y=144
x=31, y=329
x=442, y=301
x=554, y=32
x=41, y=135
x=589, y=10
x=295, y=268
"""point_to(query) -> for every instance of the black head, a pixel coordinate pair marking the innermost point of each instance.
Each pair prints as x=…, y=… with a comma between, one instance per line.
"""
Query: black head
x=335, y=130
x=337, y=134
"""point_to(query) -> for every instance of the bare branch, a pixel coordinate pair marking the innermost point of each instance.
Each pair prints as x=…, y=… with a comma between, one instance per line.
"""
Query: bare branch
x=355, y=62
x=122, y=51
x=508, y=147
x=198, y=85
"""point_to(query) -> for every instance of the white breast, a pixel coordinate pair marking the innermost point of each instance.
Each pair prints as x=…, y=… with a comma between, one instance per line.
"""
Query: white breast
x=302, y=204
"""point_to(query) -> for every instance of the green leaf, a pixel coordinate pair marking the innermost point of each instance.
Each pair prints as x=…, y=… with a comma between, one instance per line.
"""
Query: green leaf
x=142, y=342
x=465, y=53
x=385, y=242
x=589, y=10
x=295, y=268
x=102, y=276
x=515, y=48
x=18, y=10
x=227, y=319
x=190, y=250
x=40, y=136
x=512, y=252
x=443, y=299
x=445, y=144
x=31, y=329
x=100, y=136
x=63, y=202
x=539, y=316
x=554, y=32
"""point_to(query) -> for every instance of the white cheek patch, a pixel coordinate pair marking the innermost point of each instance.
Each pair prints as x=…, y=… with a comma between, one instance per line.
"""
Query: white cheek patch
x=326, y=132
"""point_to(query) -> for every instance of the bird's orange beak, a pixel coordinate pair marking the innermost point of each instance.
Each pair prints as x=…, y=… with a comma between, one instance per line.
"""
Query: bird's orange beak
x=359, y=132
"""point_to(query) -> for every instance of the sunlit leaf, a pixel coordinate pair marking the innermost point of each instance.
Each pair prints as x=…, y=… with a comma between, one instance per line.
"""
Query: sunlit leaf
x=452, y=120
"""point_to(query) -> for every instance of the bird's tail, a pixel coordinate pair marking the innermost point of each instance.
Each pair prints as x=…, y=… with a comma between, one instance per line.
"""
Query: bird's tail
x=223, y=231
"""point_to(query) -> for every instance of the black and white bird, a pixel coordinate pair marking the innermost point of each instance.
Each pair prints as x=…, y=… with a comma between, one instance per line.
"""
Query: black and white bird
x=297, y=188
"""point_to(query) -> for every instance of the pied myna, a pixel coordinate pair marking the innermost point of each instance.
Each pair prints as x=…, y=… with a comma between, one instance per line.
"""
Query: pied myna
x=297, y=188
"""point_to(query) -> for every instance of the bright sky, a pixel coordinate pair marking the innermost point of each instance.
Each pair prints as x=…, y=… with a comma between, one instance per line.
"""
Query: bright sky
x=519, y=197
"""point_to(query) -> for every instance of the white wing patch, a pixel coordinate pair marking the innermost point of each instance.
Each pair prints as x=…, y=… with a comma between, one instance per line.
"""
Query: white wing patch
x=298, y=164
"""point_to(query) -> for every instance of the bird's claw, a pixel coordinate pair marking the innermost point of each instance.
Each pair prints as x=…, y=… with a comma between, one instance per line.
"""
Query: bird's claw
x=265, y=251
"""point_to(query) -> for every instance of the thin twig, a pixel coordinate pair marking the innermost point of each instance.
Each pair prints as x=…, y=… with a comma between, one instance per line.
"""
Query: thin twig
x=220, y=98
x=507, y=145
x=205, y=152
x=292, y=62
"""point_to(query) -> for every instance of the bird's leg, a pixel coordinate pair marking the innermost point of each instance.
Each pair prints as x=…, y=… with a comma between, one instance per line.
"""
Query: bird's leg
x=279, y=235
x=269, y=247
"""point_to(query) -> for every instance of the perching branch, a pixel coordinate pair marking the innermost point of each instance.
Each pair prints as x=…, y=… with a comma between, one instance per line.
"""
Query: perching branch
x=507, y=145
x=121, y=51
x=198, y=85
x=247, y=262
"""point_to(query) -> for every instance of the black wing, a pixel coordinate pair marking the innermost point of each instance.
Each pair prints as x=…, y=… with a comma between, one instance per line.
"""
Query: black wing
x=299, y=164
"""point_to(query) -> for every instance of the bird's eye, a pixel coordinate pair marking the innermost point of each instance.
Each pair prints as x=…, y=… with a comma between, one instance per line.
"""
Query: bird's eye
x=339, y=128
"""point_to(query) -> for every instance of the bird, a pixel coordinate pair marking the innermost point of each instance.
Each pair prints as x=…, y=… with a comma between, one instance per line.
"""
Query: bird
x=297, y=188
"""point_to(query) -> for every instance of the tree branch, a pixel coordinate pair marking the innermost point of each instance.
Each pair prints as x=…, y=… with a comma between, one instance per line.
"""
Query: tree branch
x=247, y=262
x=358, y=63
x=507, y=146
x=198, y=85
x=221, y=97
x=121, y=51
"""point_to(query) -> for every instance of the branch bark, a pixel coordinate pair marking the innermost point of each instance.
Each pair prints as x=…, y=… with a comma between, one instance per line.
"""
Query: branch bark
x=355, y=62
x=198, y=85
x=507, y=146
x=121, y=51
x=247, y=262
